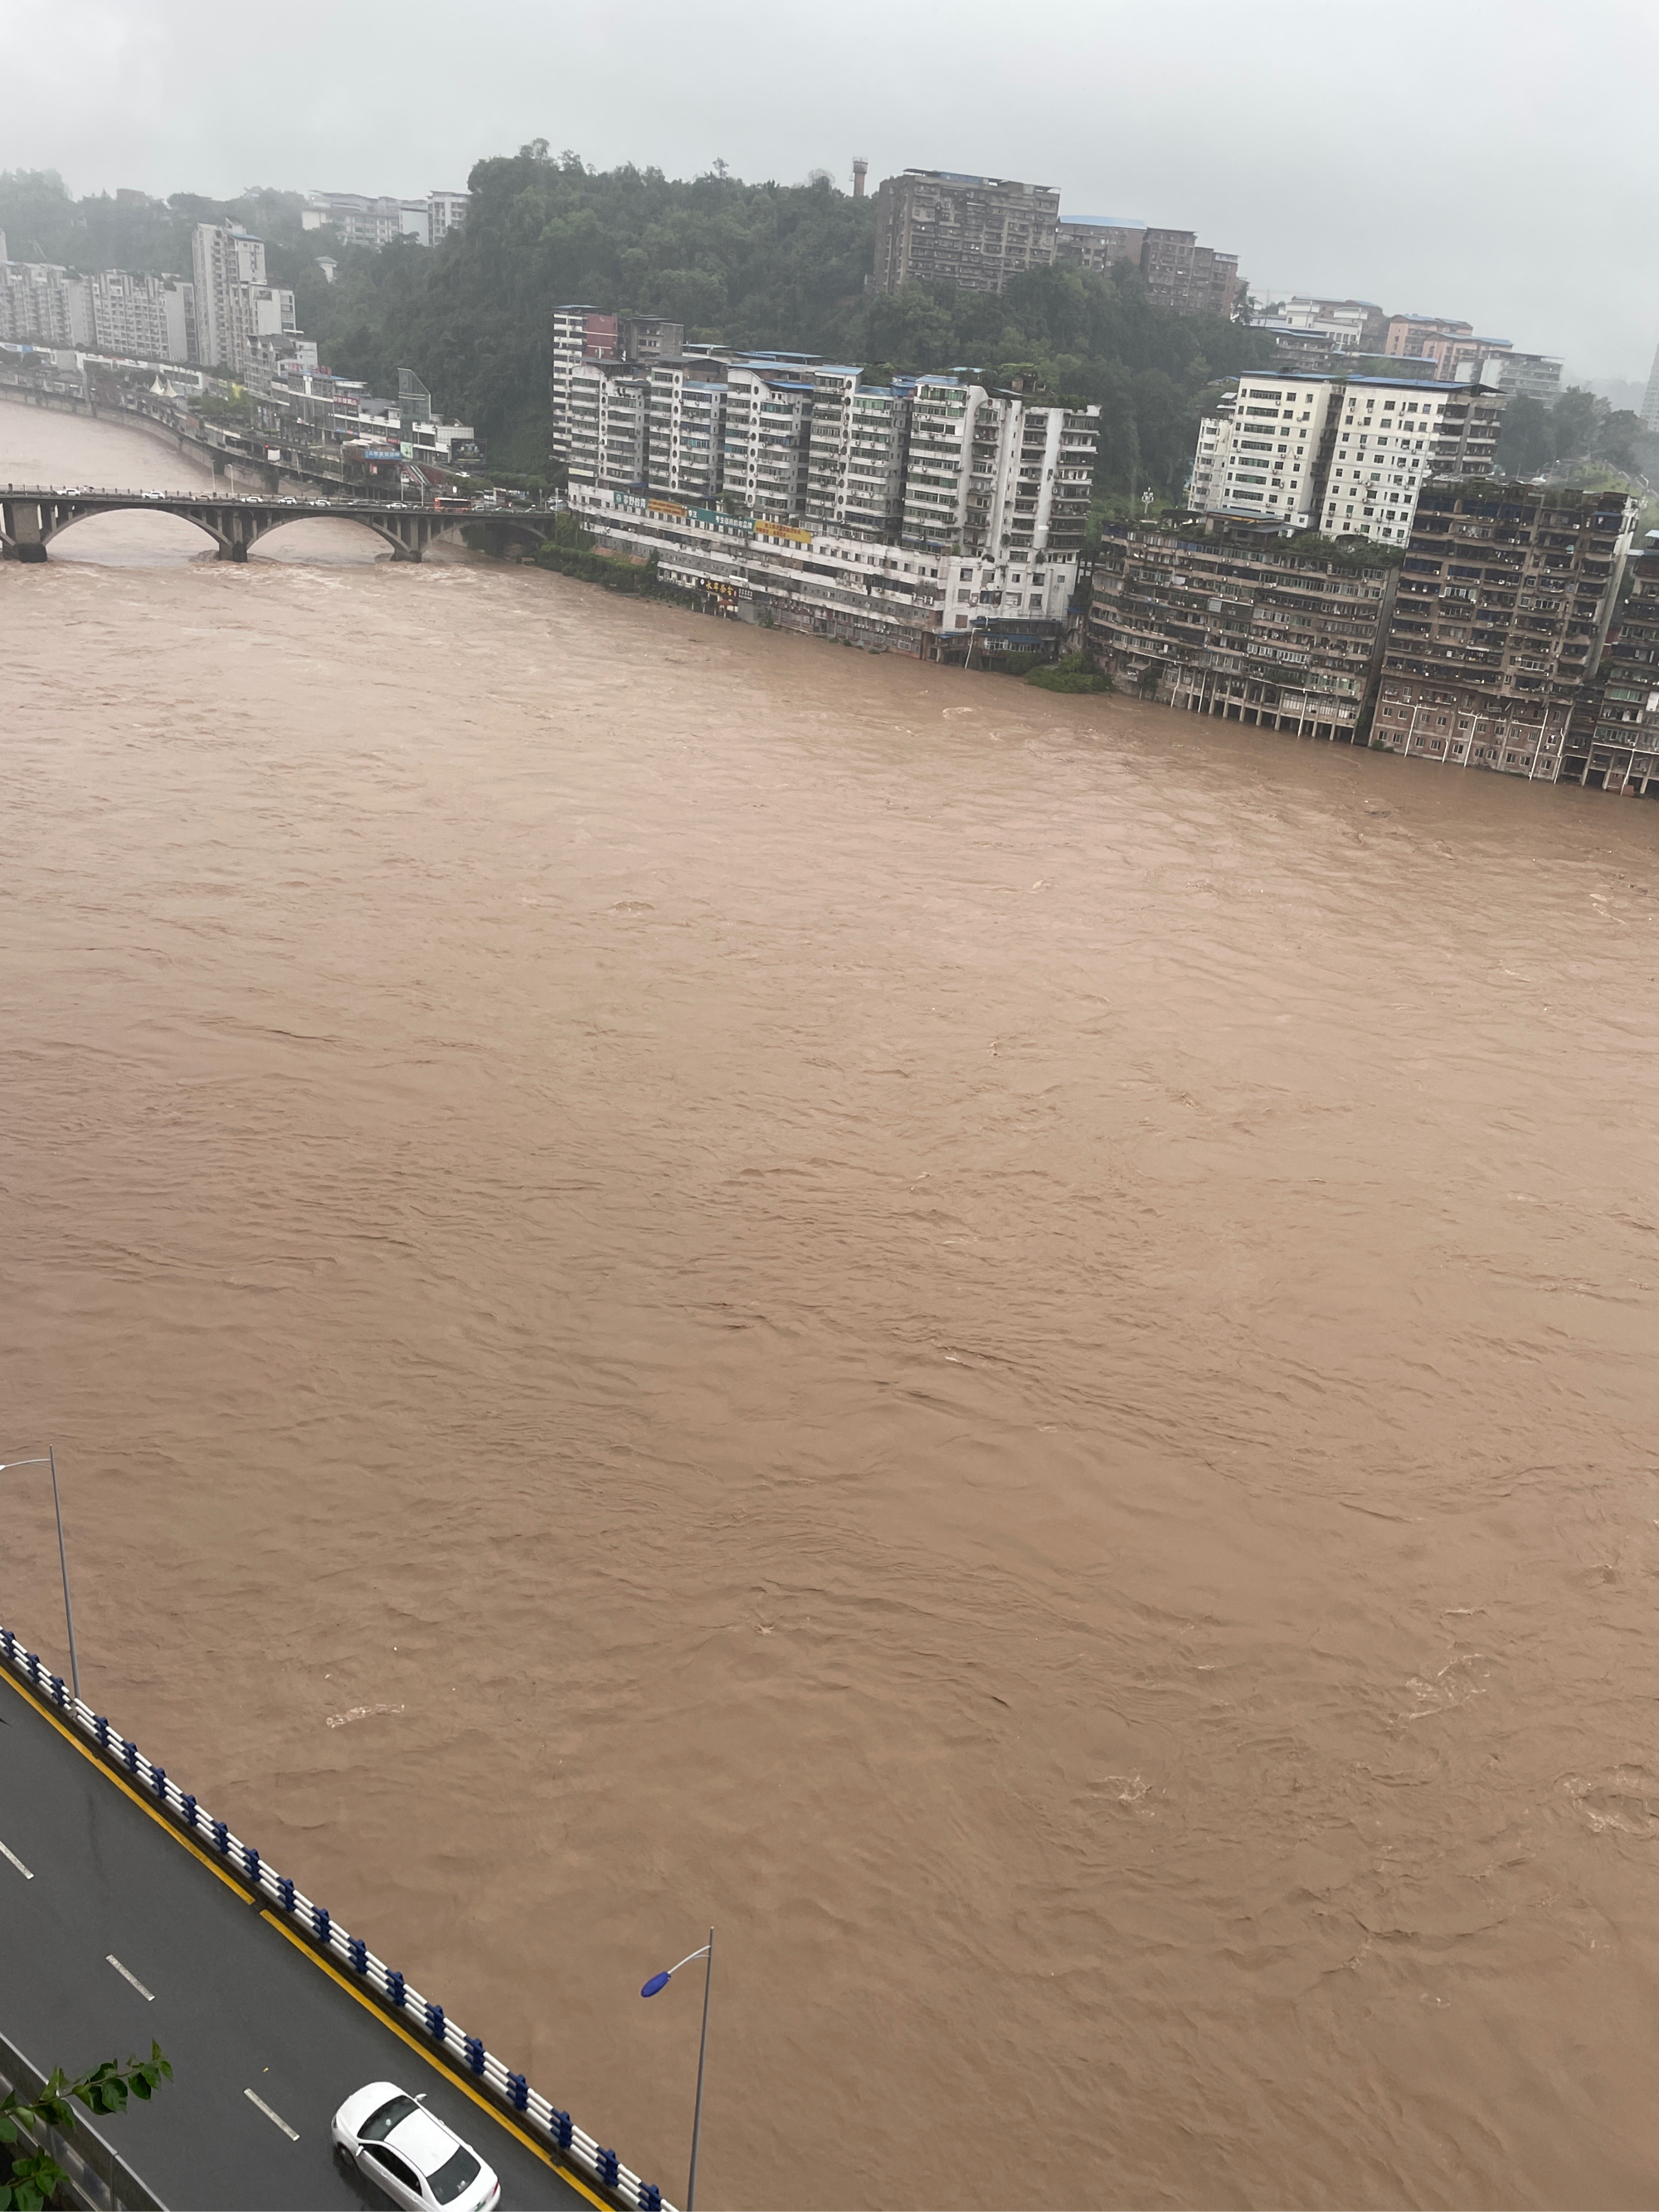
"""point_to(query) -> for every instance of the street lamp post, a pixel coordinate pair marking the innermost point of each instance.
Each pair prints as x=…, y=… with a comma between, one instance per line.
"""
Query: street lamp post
x=50, y=1461
x=660, y=1982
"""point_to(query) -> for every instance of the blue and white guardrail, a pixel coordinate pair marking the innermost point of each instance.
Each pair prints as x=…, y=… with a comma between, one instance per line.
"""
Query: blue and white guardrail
x=314, y=1922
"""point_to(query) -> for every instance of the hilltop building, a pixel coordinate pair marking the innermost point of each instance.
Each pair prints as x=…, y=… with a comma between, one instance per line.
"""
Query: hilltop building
x=1099, y=242
x=940, y=227
x=1348, y=325
x=936, y=227
x=1517, y=375
x=1187, y=277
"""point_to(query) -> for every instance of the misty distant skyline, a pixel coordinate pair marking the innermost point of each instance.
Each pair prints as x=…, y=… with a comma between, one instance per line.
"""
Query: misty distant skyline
x=1488, y=162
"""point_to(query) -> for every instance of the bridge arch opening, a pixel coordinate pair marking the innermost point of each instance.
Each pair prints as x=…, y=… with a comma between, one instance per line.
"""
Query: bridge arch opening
x=132, y=537
x=338, y=540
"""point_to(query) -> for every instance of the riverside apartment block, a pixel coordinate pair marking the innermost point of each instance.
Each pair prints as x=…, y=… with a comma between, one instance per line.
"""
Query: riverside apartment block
x=926, y=512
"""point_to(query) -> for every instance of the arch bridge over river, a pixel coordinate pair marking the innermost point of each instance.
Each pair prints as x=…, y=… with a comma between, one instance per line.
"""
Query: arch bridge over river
x=32, y=515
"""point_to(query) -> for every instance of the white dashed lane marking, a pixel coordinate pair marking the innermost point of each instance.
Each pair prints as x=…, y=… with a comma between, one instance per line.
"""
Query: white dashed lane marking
x=275, y=2118
x=127, y=1975
x=16, y=1862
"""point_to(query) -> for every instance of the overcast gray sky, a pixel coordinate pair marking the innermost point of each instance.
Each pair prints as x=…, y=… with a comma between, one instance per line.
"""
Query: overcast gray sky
x=1488, y=159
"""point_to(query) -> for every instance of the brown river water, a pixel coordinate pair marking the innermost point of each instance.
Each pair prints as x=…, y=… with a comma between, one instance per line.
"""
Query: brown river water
x=1004, y=1344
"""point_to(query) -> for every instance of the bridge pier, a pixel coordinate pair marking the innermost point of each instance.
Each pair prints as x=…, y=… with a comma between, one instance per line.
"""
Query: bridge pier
x=22, y=525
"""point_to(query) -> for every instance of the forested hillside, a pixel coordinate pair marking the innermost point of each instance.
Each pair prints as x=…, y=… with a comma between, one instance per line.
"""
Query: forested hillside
x=780, y=265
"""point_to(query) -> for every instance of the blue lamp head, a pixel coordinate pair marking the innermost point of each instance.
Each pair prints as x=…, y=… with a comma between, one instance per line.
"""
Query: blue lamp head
x=657, y=1982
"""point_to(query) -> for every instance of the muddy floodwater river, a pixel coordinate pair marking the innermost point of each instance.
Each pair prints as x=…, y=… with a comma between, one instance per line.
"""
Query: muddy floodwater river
x=1003, y=1343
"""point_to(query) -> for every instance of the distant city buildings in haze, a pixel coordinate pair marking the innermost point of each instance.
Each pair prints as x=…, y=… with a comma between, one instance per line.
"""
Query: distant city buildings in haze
x=379, y=219
x=116, y=311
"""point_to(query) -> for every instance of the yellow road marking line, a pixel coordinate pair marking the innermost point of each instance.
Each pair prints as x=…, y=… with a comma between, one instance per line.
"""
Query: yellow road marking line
x=437, y=2065
x=168, y=1827
x=178, y=1835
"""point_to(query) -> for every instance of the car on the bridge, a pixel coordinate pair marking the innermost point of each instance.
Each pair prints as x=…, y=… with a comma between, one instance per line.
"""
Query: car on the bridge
x=410, y=2156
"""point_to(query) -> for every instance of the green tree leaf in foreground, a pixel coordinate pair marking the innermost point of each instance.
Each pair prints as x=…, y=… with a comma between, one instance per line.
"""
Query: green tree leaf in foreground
x=33, y=2174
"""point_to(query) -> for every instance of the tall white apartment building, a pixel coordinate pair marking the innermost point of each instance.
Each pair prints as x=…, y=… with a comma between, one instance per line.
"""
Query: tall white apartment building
x=607, y=425
x=1649, y=409
x=995, y=472
x=1260, y=455
x=768, y=438
x=1347, y=456
x=229, y=267
x=152, y=317
x=860, y=441
x=1387, y=441
x=687, y=429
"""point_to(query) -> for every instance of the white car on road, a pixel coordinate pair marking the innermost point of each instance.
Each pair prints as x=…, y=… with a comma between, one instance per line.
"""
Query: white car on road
x=396, y=2143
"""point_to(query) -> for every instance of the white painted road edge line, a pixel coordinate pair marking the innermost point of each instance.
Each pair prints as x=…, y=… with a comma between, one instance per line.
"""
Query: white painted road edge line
x=17, y=1862
x=275, y=2118
x=127, y=1975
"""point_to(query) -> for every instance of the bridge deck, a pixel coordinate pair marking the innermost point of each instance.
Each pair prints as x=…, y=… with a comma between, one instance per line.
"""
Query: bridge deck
x=236, y=2002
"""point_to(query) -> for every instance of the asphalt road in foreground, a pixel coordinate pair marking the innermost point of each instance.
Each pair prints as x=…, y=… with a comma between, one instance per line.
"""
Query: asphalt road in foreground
x=89, y=1878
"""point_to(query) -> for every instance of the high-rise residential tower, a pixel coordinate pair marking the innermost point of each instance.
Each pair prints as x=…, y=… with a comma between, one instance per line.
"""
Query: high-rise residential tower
x=934, y=225
x=1347, y=456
